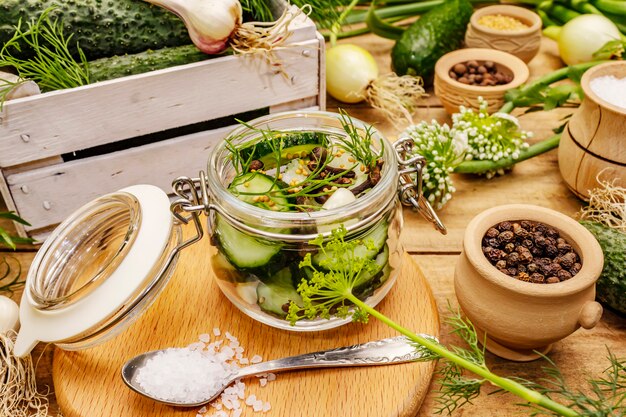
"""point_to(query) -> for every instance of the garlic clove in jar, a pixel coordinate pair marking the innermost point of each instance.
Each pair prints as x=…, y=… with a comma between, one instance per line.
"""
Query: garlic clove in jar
x=9, y=314
x=339, y=198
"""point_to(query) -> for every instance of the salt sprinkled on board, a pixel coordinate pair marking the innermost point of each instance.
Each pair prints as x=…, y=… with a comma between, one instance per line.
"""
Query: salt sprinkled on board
x=610, y=89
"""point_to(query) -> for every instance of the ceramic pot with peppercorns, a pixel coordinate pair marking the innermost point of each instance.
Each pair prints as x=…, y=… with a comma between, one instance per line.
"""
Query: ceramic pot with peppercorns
x=526, y=279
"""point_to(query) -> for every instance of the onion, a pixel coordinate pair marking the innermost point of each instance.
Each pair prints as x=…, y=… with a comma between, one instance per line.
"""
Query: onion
x=352, y=76
x=9, y=314
x=349, y=71
x=582, y=36
x=215, y=25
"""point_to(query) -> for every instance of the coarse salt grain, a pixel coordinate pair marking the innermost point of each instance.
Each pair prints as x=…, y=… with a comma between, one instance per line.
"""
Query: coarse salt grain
x=251, y=399
x=256, y=359
x=263, y=382
x=205, y=338
x=237, y=413
x=183, y=375
x=610, y=89
x=271, y=377
x=216, y=332
x=266, y=407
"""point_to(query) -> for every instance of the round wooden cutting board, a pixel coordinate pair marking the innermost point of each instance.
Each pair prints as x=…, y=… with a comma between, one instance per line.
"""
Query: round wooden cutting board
x=88, y=383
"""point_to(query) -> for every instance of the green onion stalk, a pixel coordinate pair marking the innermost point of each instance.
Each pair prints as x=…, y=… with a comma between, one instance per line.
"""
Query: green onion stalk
x=522, y=97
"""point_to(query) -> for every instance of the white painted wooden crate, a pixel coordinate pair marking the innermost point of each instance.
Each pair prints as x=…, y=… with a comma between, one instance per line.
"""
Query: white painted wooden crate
x=35, y=131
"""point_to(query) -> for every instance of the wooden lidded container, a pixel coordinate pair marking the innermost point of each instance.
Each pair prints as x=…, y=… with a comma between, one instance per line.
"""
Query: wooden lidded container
x=594, y=140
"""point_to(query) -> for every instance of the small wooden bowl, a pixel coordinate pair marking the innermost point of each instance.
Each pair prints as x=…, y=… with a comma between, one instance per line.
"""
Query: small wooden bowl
x=523, y=43
x=593, y=141
x=454, y=94
x=520, y=317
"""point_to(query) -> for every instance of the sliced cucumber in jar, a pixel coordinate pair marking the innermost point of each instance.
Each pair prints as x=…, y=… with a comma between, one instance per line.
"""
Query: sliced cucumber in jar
x=368, y=248
x=275, y=295
x=260, y=190
x=373, y=279
x=294, y=145
x=244, y=251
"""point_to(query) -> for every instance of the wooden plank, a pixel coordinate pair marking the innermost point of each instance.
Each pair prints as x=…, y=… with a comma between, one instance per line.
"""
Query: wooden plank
x=56, y=191
x=68, y=120
x=579, y=357
x=87, y=383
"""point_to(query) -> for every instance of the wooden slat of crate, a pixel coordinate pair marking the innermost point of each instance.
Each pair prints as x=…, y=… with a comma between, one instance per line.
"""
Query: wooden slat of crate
x=64, y=121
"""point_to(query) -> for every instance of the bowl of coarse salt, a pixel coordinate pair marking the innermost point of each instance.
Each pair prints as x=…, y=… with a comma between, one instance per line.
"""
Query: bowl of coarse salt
x=593, y=143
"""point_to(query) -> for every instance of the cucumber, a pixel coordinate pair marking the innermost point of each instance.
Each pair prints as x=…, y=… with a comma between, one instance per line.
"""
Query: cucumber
x=275, y=295
x=293, y=144
x=260, y=185
x=123, y=65
x=376, y=236
x=375, y=278
x=433, y=35
x=224, y=270
x=101, y=27
x=243, y=251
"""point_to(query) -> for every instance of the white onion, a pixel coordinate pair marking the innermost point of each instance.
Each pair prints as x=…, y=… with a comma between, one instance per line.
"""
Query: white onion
x=349, y=71
x=582, y=36
x=9, y=314
x=341, y=197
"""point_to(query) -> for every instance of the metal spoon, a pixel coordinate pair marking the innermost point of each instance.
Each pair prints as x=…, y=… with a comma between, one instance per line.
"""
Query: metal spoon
x=381, y=352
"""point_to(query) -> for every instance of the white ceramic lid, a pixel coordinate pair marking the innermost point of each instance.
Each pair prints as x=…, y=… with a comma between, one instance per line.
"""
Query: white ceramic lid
x=129, y=276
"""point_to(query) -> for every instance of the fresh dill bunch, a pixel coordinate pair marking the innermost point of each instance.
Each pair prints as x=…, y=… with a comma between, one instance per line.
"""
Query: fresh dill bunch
x=359, y=144
x=325, y=13
x=51, y=66
x=443, y=149
x=604, y=397
x=490, y=137
x=258, y=10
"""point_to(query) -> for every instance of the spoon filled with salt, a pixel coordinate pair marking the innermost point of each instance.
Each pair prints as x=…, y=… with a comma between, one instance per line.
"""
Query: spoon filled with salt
x=199, y=378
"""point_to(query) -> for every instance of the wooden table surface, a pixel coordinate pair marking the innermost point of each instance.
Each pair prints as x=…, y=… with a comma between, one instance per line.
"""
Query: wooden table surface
x=537, y=181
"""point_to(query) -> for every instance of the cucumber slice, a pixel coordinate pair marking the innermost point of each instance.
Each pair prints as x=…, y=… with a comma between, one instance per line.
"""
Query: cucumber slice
x=224, y=270
x=242, y=250
x=377, y=236
x=375, y=278
x=253, y=185
x=292, y=145
x=247, y=291
x=274, y=296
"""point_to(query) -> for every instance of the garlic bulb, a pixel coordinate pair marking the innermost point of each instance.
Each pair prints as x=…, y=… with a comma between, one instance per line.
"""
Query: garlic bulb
x=9, y=314
x=210, y=22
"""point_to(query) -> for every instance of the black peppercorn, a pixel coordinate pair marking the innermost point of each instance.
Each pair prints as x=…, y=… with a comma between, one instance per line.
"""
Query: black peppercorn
x=532, y=267
x=512, y=272
x=552, y=280
x=527, y=243
x=536, y=251
x=492, y=232
x=512, y=259
x=526, y=225
x=552, y=233
x=540, y=240
x=493, y=242
x=506, y=236
x=567, y=261
x=509, y=247
x=523, y=276
x=537, y=278
x=501, y=264
x=563, y=247
x=540, y=228
x=551, y=251
x=563, y=275
x=505, y=226
x=521, y=268
x=575, y=268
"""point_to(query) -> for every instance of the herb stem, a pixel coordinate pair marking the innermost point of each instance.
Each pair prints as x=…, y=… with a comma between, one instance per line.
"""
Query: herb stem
x=477, y=167
x=504, y=383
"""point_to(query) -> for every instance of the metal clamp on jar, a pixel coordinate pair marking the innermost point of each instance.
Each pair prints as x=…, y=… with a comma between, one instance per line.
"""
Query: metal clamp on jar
x=105, y=265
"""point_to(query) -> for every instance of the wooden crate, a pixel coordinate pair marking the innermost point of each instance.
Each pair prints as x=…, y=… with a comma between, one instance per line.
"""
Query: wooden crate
x=39, y=135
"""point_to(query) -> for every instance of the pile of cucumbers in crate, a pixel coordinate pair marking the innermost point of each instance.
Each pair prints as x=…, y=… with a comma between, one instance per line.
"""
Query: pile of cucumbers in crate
x=65, y=44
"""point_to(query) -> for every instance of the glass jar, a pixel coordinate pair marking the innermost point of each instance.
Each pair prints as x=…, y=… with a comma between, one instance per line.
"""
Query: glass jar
x=262, y=286
x=105, y=265
x=99, y=270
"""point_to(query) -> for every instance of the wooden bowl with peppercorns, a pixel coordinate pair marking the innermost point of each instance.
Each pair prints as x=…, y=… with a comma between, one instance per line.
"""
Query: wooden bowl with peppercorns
x=464, y=75
x=526, y=279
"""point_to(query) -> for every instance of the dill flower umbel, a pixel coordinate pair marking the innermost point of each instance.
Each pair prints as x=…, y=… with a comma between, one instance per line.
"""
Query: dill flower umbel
x=490, y=137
